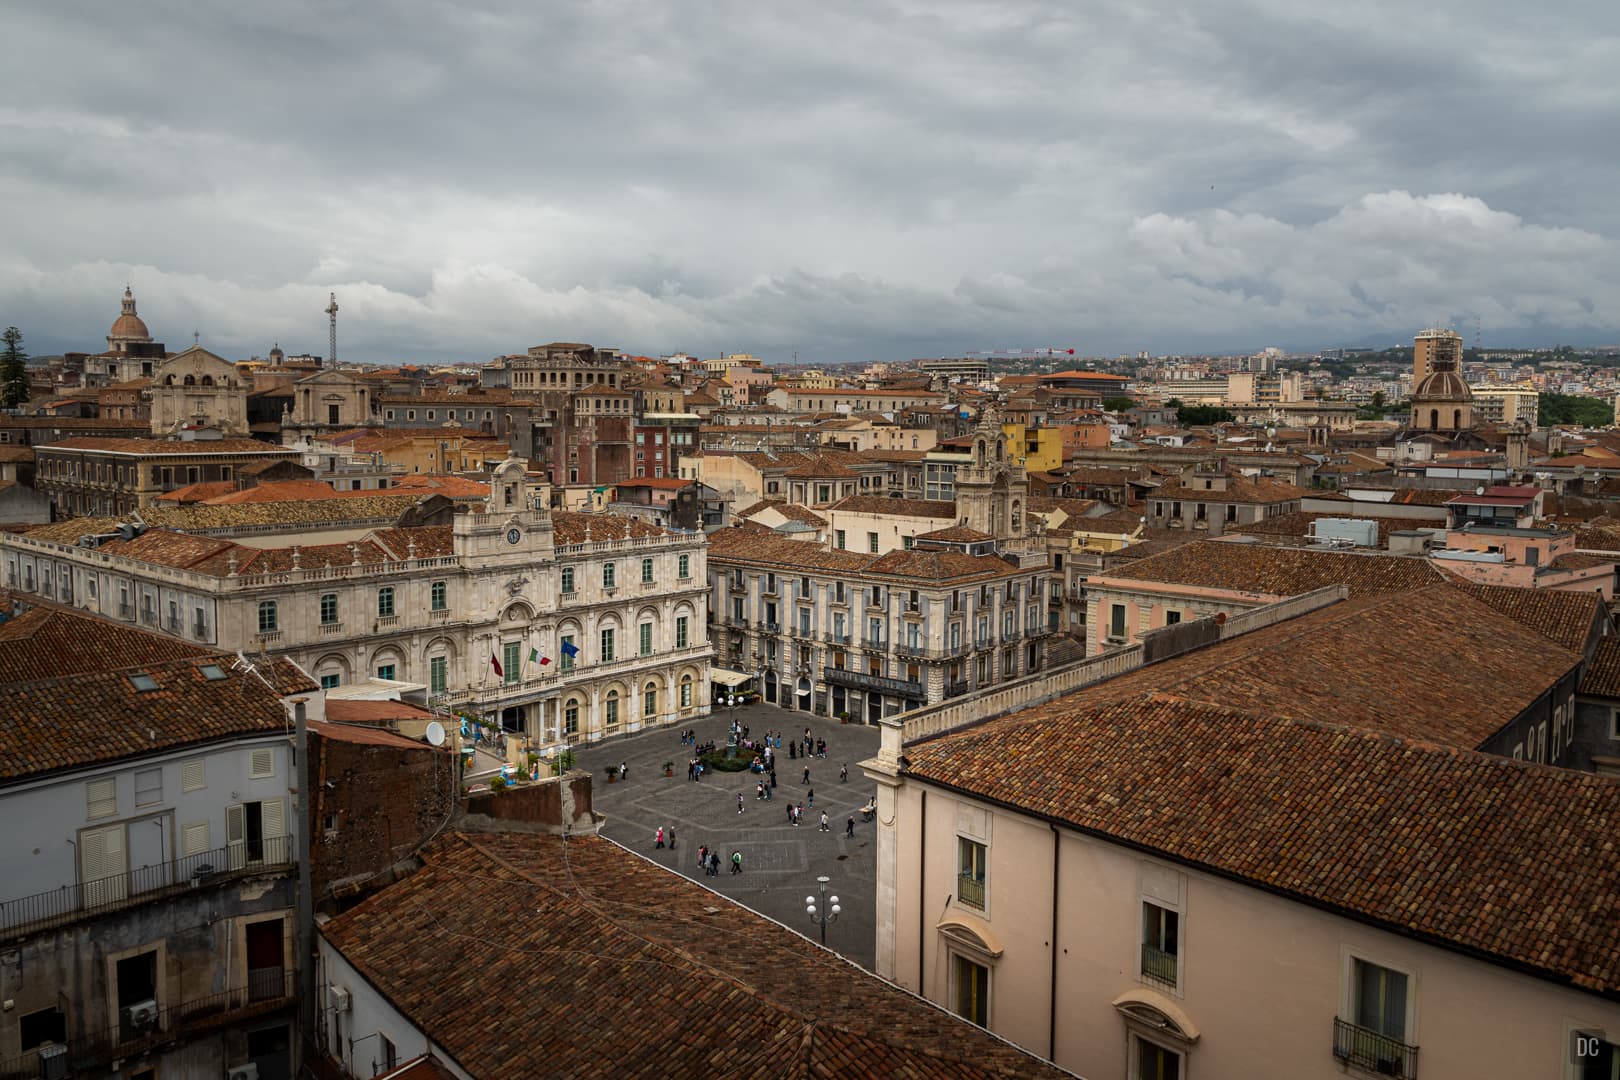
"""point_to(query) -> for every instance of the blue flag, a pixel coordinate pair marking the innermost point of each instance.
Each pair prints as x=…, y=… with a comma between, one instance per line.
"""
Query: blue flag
x=570, y=649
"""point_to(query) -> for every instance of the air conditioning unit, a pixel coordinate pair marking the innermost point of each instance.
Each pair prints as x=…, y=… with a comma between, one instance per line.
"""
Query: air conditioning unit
x=250, y=1071
x=141, y=1014
x=337, y=999
x=53, y=1061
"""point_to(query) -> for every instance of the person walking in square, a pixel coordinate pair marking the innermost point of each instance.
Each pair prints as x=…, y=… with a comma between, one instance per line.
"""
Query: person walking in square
x=739, y=802
x=824, y=821
x=773, y=776
x=790, y=813
x=849, y=828
x=736, y=862
x=843, y=773
x=812, y=799
x=669, y=835
x=793, y=750
x=806, y=779
x=703, y=853
x=714, y=864
x=658, y=838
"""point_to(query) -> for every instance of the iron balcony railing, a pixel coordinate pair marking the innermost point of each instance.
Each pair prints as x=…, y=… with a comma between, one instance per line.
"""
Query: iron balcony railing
x=267, y=990
x=970, y=890
x=1367, y=1049
x=69, y=903
x=956, y=689
x=882, y=684
x=1158, y=965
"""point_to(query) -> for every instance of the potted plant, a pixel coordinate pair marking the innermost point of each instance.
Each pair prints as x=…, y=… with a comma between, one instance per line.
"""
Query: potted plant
x=843, y=717
x=669, y=768
x=612, y=774
x=497, y=784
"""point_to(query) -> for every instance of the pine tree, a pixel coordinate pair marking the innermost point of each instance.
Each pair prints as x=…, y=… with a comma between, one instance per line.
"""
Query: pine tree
x=13, y=371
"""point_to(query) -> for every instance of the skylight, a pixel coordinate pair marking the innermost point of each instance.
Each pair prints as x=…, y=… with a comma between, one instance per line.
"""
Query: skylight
x=143, y=682
x=212, y=672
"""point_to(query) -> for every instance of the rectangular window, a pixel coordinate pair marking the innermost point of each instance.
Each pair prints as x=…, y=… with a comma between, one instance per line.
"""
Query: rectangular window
x=971, y=864
x=440, y=597
x=511, y=661
x=193, y=775
x=1154, y=1062
x=971, y=990
x=1171, y=618
x=385, y=602
x=1380, y=1001
x=1161, y=933
x=148, y=787
x=101, y=798
x=683, y=567
x=1116, y=621
x=267, y=617
x=680, y=632
x=568, y=579
x=565, y=645
x=646, y=571
x=438, y=674
x=607, y=645
x=329, y=608
x=872, y=542
x=194, y=838
x=331, y=682
x=840, y=539
x=609, y=575
x=645, y=642
x=385, y=671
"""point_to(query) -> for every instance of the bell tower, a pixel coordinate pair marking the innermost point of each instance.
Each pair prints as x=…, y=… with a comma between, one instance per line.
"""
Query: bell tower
x=992, y=490
x=514, y=525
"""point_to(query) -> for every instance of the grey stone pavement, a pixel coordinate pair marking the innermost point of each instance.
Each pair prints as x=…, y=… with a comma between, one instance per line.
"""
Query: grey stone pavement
x=780, y=861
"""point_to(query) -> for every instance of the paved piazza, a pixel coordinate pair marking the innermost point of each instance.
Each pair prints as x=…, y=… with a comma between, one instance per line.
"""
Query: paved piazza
x=780, y=862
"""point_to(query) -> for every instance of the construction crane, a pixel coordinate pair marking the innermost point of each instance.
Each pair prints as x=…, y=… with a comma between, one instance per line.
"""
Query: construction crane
x=331, y=312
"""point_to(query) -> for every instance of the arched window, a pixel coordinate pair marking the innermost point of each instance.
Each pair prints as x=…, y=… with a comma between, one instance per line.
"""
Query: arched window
x=191, y=380
x=571, y=717
x=686, y=691
x=1456, y=419
x=649, y=701
x=1434, y=419
x=208, y=380
x=612, y=708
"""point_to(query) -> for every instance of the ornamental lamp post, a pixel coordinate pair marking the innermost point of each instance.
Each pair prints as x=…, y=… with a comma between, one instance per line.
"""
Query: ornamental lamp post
x=822, y=914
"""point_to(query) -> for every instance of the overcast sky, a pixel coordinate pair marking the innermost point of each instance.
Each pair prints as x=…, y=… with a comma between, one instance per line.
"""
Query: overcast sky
x=854, y=181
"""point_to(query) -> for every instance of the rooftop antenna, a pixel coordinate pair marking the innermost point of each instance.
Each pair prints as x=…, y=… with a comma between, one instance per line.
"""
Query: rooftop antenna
x=1476, y=335
x=331, y=312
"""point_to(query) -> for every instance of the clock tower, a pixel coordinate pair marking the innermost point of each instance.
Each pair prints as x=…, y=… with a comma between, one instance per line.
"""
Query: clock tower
x=513, y=528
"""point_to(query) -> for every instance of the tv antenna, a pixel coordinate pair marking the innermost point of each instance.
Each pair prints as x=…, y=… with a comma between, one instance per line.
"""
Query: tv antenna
x=331, y=312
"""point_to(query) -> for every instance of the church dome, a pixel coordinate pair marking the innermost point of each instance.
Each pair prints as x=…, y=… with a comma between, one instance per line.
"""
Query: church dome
x=128, y=326
x=1442, y=385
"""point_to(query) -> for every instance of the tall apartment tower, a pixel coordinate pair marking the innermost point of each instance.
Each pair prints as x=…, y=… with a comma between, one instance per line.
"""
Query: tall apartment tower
x=1431, y=345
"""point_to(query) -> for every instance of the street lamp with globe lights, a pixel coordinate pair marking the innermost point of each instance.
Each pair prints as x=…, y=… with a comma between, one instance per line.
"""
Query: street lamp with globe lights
x=820, y=912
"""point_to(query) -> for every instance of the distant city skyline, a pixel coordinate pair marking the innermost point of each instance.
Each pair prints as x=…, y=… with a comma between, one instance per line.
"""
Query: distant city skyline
x=852, y=182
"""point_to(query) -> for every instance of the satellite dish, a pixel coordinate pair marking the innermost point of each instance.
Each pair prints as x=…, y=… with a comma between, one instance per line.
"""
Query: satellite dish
x=435, y=733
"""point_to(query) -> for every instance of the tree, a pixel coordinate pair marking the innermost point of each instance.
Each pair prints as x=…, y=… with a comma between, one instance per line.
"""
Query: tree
x=1378, y=400
x=1200, y=415
x=13, y=371
x=1574, y=409
x=1118, y=404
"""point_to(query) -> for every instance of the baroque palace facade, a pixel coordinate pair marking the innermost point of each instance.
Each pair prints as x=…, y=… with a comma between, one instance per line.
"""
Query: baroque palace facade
x=566, y=627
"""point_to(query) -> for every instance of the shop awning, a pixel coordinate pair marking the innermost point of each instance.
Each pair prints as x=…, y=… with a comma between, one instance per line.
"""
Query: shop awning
x=727, y=677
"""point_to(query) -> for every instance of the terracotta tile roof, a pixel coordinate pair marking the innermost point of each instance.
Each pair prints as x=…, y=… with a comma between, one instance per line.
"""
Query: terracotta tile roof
x=1582, y=561
x=1461, y=848
x=1299, y=524
x=196, y=493
x=769, y=1003
x=364, y=735
x=882, y=504
x=791, y=511
x=360, y=509
x=159, y=447
x=571, y=527
x=1280, y=571
x=451, y=487
x=744, y=547
x=357, y=711
x=957, y=534
x=98, y=716
x=1238, y=490
x=432, y=541
x=16, y=455
x=1143, y=549
x=1458, y=685
x=276, y=491
x=1070, y=508
x=657, y=483
x=1602, y=675
x=821, y=470
x=1120, y=521
x=52, y=642
x=1568, y=618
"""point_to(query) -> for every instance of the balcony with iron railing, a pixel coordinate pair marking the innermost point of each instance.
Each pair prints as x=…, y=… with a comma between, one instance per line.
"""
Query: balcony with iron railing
x=1382, y=1055
x=1158, y=965
x=956, y=689
x=99, y=896
x=836, y=638
x=860, y=680
x=268, y=990
x=970, y=890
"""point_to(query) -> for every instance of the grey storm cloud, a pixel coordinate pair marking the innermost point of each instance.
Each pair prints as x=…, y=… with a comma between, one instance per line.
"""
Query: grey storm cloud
x=852, y=181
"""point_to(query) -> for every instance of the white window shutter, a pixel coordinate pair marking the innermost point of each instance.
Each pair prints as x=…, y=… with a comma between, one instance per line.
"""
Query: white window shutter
x=103, y=865
x=262, y=763
x=193, y=776
x=236, y=836
x=101, y=797
x=274, y=818
x=194, y=838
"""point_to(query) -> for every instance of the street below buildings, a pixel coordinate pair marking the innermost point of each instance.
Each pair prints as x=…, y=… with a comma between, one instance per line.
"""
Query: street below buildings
x=780, y=861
